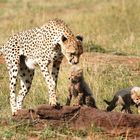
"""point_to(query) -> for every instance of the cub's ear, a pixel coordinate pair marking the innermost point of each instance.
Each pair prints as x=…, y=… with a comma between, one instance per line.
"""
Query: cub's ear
x=80, y=71
x=80, y=38
x=63, y=38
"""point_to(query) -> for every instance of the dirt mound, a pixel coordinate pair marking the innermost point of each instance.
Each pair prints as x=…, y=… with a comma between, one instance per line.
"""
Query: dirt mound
x=76, y=117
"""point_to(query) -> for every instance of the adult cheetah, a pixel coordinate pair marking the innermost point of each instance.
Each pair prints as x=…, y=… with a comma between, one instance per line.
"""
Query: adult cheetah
x=39, y=46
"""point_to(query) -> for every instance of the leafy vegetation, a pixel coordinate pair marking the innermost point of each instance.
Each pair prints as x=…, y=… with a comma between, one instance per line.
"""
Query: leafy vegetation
x=108, y=26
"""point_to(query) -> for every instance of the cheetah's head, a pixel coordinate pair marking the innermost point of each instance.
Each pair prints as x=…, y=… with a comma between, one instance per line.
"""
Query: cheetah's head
x=72, y=48
x=135, y=95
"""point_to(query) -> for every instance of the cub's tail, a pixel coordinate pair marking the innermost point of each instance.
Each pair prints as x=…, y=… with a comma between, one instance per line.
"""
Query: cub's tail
x=107, y=102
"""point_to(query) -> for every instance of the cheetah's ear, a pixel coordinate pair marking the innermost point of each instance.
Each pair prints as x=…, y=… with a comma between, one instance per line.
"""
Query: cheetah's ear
x=63, y=38
x=80, y=38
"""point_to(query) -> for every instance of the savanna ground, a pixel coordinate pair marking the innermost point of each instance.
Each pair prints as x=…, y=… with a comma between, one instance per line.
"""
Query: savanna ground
x=111, y=31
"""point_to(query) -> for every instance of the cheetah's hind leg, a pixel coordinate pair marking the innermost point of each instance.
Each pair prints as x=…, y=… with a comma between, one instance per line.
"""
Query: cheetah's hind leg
x=12, y=66
x=26, y=76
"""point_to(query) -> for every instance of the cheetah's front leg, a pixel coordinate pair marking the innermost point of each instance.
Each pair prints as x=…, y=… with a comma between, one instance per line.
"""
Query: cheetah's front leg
x=50, y=82
x=68, y=102
x=54, y=73
x=55, y=70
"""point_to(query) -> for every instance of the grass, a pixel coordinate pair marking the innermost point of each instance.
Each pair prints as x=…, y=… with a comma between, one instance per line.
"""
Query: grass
x=103, y=80
x=113, y=25
x=108, y=26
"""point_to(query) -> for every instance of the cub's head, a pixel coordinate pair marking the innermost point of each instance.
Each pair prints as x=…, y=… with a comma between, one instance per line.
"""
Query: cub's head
x=76, y=74
x=72, y=48
x=135, y=95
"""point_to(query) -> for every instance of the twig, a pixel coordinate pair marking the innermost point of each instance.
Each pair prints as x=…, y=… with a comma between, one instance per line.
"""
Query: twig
x=75, y=115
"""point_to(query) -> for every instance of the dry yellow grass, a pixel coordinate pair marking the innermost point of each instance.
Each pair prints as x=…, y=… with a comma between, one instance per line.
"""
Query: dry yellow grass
x=109, y=25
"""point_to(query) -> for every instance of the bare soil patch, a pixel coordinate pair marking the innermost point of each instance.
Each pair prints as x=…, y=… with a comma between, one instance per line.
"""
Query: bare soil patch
x=94, y=58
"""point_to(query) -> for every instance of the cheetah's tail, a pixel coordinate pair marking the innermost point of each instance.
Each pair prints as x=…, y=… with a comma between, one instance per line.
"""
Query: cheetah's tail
x=107, y=102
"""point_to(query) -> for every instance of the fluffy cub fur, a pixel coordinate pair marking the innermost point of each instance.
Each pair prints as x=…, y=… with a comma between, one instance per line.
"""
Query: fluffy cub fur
x=126, y=98
x=79, y=92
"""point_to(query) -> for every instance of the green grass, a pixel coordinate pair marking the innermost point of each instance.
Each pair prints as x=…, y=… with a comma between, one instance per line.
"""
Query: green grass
x=108, y=26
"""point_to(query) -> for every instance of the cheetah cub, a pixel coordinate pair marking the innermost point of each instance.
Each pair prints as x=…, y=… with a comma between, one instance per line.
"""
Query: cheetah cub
x=79, y=92
x=126, y=98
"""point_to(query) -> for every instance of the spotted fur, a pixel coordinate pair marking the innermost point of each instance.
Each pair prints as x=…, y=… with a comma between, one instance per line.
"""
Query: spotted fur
x=39, y=46
x=79, y=91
